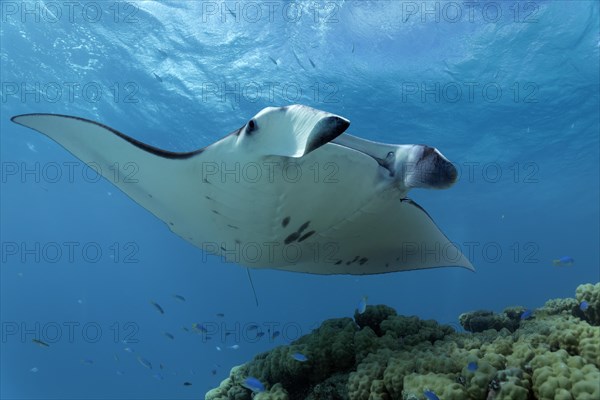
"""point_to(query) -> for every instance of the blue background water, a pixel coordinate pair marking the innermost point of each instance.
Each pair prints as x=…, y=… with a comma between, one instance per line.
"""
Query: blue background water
x=533, y=116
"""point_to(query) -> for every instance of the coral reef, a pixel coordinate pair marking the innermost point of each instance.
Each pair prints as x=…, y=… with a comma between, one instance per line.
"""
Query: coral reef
x=482, y=320
x=554, y=354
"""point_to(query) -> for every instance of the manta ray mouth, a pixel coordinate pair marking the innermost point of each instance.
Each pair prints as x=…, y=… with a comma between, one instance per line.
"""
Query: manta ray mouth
x=441, y=173
x=325, y=131
x=432, y=171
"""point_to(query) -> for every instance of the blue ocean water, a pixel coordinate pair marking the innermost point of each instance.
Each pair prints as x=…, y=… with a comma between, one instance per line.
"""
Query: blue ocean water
x=509, y=91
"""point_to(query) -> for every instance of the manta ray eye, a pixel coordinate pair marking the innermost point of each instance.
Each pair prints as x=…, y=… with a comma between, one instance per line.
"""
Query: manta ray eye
x=251, y=127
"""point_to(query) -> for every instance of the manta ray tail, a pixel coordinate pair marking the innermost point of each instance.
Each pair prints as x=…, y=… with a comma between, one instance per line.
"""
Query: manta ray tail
x=252, y=285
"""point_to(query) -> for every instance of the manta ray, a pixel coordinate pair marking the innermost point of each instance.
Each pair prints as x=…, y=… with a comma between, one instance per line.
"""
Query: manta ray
x=289, y=190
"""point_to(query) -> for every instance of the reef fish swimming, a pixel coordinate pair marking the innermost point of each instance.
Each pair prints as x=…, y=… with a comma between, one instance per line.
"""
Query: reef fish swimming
x=430, y=395
x=299, y=357
x=526, y=314
x=144, y=362
x=158, y=307
x=472, y=366
x=254, y=384
x=362, y=305
x=565, y=261
x=40, y=343
x=306, y=195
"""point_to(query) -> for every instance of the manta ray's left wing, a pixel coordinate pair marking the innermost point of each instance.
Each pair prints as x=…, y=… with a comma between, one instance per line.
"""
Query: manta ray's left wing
x=156, y=179
x=197, y=194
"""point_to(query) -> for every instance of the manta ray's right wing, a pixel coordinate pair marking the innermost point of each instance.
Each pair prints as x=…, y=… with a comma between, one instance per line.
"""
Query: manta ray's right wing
x=385, y=235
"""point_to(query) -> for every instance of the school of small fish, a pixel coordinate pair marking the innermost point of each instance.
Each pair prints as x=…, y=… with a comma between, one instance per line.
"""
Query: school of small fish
x=252, y=383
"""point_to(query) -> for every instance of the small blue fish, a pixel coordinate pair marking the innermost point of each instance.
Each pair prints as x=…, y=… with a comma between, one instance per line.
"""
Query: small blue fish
x=564, y=261
x=253, y=384
x=275, y=334
x=526, y=314
x=299, y=357
x=179, y=297
x=129, y=350
x=260, y=334
x=158, y=376
x=87, y=361
x=252, y=327
x=472, y=366
x=158, y=307
x=40, y=342
x=298, y=60
x=362, y=305
x=430, y=395
x=583, y=306
x=200, y=328
x=120, y=373
x=170, y=336
x=144, y=362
